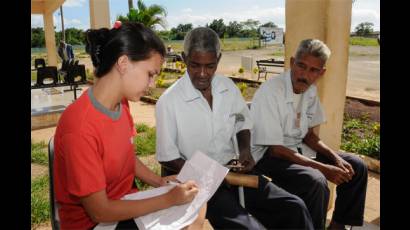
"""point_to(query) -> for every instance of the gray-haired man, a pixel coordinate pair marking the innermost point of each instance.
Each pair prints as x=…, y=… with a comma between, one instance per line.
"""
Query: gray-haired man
x=285, y=109
x=199, y=112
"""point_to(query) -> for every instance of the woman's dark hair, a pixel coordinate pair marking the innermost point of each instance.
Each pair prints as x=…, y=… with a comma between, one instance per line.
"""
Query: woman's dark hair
x=132, y=39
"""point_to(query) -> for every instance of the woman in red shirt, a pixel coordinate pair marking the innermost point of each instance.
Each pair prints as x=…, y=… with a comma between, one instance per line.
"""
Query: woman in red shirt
x=95, y=164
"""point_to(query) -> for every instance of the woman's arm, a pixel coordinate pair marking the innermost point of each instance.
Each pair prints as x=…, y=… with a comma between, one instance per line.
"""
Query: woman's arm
x=101, y=209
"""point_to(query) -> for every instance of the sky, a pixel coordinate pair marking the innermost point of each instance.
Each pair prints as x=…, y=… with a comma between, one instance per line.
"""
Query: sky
x=76, y=12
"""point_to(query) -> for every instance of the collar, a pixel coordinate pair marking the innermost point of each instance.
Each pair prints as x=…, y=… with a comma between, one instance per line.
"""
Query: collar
x=191, y=93
x=288, y=88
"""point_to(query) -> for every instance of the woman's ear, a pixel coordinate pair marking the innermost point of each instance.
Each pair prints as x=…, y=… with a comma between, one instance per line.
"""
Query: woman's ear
x=122, y=64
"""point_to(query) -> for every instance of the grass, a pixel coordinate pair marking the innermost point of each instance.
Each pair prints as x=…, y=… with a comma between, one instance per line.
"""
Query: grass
x=362, y=136
x=33, y=75
x=362, y=41
x=144, y=142
x=145, y=148
x=39, y=153
x=40, y=201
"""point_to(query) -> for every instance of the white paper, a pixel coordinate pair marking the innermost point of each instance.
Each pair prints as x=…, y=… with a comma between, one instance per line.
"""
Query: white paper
x=206, y=172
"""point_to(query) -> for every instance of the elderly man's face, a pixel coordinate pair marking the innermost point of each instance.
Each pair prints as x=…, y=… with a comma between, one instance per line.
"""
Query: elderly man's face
x=201, y=67
x=305, y=71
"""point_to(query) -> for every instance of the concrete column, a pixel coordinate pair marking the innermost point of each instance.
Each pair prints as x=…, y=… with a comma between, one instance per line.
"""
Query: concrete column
x=50, y=38
x=329, y=21
x=332, y=87
x=99, y=14
x=304, y=19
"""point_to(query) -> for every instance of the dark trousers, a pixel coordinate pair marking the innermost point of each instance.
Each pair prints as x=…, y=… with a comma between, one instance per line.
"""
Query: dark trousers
x=127, y=225
x=311, y=185
x=267, y=207
x=124, y=225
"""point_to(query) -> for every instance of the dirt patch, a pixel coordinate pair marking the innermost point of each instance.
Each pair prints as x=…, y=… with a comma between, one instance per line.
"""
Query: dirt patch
x=42, y=226
x=358, y=109
x=38, y=170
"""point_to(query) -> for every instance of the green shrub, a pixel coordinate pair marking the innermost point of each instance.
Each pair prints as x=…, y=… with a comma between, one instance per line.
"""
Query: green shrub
x=242, y=87
x=361, y=136
x=144, y=142
x=255, y=70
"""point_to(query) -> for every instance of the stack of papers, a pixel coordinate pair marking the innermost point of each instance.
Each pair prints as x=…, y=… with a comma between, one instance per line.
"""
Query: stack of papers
x=206, y=172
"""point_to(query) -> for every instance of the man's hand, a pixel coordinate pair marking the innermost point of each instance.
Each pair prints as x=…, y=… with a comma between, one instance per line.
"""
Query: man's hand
x=246, y=160
x=335, y=174
x=341, y=163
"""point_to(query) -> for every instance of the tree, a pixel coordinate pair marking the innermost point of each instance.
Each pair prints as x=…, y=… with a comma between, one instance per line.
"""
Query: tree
x=218, y=26
x=180, y=31
x=364, y=28
x=37, y=37
x=148, y=15
x=233, y=29
x=250, y=28
x=269, y=24
x=250, y=24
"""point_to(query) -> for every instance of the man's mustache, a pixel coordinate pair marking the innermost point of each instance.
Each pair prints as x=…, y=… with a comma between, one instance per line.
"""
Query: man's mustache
x=303, y=80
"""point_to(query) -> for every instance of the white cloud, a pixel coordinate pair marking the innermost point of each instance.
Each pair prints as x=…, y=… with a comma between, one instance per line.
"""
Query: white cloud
x=37, y=21
x=74, y=3
x=365, y=15
x=186, y=10
x=69, y=23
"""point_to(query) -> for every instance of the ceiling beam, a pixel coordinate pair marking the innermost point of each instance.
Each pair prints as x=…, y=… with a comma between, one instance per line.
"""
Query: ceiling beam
x=52, y=5
x=37, y=7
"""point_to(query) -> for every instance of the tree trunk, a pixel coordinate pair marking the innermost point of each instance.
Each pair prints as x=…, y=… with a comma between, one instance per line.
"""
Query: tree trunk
x=62, y=23
x=130, y=5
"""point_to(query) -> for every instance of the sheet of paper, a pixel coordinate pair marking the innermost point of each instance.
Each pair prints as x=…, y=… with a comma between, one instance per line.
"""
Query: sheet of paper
x=206, y=172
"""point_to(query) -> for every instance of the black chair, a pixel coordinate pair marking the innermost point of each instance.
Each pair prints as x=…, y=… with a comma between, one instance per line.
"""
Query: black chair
x=62, y=73
x=55, y=220
x=75, y=71
x=39, y=62
x=45, y=73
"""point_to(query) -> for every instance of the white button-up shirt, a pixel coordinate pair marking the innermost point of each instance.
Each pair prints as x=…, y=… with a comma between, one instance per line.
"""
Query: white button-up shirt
x=275, y=118
x=186, y=123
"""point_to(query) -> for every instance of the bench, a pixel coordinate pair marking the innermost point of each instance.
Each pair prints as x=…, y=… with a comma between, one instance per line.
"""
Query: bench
x=263, y=66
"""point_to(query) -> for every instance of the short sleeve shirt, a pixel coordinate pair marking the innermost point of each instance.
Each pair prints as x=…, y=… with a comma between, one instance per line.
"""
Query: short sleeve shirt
x=186, y=123
x=277, y=122
x=94, y=151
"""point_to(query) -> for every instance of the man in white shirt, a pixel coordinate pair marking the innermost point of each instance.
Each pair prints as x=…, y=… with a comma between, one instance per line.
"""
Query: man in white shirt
x=285, y=109
x=203, y=111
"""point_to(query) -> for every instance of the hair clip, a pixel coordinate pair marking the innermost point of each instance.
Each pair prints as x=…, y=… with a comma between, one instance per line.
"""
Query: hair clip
x=117, y=24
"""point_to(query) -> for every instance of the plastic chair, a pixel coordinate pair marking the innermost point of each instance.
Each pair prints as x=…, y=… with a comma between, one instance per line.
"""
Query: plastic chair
x=55, y=220
x=47, y=72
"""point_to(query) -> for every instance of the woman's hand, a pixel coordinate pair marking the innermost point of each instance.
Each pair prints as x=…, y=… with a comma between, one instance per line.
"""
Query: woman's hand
x=183, y=193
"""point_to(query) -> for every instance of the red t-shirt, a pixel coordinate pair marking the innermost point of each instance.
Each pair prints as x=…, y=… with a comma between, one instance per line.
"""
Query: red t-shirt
x=93, y=152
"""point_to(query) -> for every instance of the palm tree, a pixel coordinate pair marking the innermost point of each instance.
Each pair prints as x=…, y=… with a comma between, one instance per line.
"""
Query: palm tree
x=149, y=16
x=130, y=6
